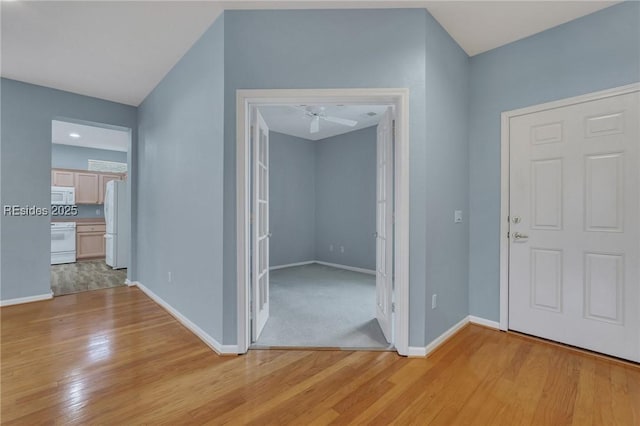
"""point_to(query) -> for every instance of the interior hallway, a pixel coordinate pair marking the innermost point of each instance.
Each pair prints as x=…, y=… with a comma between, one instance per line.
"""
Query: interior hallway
x=115, y=357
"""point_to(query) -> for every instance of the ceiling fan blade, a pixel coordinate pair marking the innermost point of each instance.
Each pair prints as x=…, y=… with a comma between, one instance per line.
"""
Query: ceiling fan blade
x=299, y=108
x=315, y=124
x=342, y=121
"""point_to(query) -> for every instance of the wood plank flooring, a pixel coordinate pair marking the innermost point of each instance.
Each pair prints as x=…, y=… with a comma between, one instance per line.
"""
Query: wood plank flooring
x=115, y=357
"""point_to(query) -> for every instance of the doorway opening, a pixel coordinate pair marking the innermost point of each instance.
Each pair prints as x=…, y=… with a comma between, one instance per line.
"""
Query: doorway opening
x=320, y=168
x=90, y=213
x=319, y=261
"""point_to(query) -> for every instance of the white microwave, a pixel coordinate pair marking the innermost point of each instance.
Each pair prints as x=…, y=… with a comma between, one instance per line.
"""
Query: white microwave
x=63, y=195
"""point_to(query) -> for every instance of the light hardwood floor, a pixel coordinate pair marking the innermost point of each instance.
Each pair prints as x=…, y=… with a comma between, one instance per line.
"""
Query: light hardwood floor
x=115, y=357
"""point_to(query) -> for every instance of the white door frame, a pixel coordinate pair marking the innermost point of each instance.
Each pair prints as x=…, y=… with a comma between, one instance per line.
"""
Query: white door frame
x=504, y=180
x=399, y=98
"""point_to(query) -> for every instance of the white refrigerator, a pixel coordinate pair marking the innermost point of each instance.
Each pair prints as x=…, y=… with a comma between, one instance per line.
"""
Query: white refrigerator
x=116, y=215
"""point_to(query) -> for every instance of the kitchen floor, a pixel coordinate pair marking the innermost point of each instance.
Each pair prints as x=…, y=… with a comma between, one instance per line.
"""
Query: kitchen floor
x=85, y=275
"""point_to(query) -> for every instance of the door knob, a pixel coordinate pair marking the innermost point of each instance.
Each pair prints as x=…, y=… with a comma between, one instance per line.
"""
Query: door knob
x=519, y=236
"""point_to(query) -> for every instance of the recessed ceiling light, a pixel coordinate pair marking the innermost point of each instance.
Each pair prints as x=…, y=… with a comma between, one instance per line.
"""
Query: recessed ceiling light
x=371, y=114
x=74, y=135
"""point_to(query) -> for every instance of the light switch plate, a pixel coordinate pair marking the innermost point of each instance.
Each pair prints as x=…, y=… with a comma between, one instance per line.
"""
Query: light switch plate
x=457, y=216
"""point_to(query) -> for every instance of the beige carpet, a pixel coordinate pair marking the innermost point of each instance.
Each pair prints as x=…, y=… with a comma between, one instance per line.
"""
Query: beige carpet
x=84, y=275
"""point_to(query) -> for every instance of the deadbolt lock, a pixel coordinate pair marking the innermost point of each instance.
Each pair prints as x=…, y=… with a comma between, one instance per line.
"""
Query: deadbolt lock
x=516, y=219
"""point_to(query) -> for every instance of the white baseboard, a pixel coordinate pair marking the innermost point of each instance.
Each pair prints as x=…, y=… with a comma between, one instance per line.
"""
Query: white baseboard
x=131, y=283
x=348, y=268
x=435, y=343
x=320, y=262
x=218, y=347
x=28, y=299
x=417, y=351
x=484, y=322
x=290, y=265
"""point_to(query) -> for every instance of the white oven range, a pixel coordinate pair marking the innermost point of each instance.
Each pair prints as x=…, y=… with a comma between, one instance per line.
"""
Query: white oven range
x=63, y=242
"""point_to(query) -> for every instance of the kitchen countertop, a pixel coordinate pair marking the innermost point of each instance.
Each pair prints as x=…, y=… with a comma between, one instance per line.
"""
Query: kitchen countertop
x=87, y=220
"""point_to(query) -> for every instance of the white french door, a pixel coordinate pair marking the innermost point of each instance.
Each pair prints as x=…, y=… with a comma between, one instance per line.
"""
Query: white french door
x=384, y=224
x=574, y=225
x=260, y=226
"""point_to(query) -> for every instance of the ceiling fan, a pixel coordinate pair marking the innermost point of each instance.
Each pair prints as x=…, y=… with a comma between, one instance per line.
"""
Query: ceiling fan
x=320, y=114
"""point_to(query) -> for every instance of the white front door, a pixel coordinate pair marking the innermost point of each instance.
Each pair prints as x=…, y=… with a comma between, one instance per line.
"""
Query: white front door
x=260, y=226
x=574, y=225
x=384, y=224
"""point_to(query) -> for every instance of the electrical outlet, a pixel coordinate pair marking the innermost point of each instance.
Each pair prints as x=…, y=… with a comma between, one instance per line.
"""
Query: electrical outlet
x=457, y=216
x=98, y=212
x=434, y=301
x=169, y=277
x=341, y=249
x=330, y=247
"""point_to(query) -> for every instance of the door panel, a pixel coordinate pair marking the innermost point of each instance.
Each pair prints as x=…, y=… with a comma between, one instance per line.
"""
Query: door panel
x=604, y=204
x=384, y=224
x=90, y=245
x=546, y=191
x=260, y=226
x=86, y=188
x=603, y=287
x=62, y=178
x=574, y=232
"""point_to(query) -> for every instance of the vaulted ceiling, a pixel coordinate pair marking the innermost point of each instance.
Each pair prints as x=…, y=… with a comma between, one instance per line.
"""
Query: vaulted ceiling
x=121, y=50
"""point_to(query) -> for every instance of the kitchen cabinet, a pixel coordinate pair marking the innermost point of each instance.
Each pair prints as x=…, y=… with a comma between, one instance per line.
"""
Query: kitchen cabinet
x=90, y=186
x=62, y=178
x=103, y=178
x=86, y=188
x=90, y=240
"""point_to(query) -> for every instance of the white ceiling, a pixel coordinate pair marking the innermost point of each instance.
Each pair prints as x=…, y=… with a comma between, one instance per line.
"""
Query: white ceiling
x=120, y=50
x=479, y=26
x=90, y=136
x=292, y=121
x=111, y=50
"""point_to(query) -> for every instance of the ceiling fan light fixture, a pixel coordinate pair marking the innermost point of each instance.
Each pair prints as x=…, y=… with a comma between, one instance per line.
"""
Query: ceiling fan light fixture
x=315, y=124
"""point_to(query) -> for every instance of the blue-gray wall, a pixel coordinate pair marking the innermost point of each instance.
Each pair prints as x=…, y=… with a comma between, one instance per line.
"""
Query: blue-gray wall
x=369, y=48
x=323, y=193
x=77, y=157
x=180, y=182
x=446, y=182
x=292, y=207
x=345, y=170
x=25, y=175
x=596, y=52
